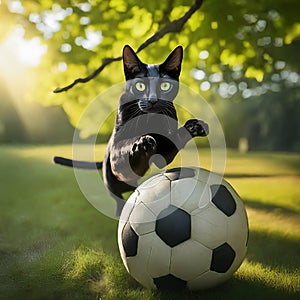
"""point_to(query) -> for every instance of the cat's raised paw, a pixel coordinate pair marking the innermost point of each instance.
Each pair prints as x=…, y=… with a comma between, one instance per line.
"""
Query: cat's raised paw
x=140, y=154
x=144, y=145
x=196, y=127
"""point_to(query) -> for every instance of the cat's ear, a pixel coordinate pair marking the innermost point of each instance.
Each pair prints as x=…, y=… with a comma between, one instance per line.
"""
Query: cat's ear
x=131, y=62
x=172, y=65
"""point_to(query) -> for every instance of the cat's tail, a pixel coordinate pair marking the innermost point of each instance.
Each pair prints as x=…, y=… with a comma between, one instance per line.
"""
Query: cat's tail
x=78, y=164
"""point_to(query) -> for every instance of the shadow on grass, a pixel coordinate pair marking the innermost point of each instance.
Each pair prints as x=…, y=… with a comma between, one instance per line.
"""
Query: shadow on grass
x=274, y=250
x=268, y=207
x=233, y=289
x=292, y=162
x=246, y=175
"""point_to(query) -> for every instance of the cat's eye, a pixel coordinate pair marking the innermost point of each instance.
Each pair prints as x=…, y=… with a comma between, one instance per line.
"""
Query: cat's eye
x=140, y=86
x=165, y=86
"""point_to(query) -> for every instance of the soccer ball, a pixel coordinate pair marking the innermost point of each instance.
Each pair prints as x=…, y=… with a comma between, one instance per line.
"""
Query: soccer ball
x=184, y=228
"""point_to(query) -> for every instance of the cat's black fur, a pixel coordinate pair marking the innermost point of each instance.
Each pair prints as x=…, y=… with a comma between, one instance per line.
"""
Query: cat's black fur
x=146, y=127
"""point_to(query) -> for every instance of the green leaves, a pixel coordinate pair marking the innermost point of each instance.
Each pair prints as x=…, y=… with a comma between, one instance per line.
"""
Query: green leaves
x=244, y=41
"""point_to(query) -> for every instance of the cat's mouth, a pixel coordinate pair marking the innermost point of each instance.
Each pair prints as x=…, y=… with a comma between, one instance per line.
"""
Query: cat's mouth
x=153, y=105
x=150, y=105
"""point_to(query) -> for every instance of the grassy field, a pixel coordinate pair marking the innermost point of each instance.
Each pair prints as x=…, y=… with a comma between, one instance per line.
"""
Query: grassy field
x=55, y=245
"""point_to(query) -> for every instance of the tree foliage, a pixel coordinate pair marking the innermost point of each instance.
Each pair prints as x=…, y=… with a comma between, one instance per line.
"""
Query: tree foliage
x=233, y=49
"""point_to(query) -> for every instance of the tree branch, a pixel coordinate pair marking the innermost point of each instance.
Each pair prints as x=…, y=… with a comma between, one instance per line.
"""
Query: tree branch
x=106, y=62
x=175, y=26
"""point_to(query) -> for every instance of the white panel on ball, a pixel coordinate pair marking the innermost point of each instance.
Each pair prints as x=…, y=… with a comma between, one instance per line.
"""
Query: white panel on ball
x=189, y=194
x=209, y=227
x=137, y=264
x=159, y=258
x=190, y=259
x=142, y=219
x=207, y=280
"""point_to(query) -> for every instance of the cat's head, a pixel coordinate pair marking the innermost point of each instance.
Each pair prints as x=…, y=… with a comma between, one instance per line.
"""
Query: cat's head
x=153, y=87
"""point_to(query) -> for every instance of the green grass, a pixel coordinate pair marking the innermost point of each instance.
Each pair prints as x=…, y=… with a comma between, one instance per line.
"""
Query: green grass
x=55, y=245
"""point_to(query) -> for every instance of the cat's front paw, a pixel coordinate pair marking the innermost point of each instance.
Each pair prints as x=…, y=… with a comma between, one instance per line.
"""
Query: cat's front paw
x=145, y=146
x=196, y=127
x=140, y=154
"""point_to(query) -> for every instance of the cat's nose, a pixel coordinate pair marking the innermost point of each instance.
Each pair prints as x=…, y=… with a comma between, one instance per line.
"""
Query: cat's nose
x=153, y=100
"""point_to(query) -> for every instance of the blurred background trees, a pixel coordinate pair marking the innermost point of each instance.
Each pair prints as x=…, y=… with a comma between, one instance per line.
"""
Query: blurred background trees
x=242, y=56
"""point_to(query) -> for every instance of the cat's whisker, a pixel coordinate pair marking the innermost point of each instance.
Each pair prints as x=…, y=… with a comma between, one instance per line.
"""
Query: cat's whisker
x=136, y=112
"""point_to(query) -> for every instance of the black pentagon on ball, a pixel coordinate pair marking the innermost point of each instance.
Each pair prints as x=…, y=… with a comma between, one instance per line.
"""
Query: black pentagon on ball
x=129, y=240
x=169, y=282
x=177, y=173
x=173, y=225
x=223, y=199
x=222, y=258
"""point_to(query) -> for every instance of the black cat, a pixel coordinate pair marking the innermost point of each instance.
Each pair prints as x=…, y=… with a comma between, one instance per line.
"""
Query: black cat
x=146, y=128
